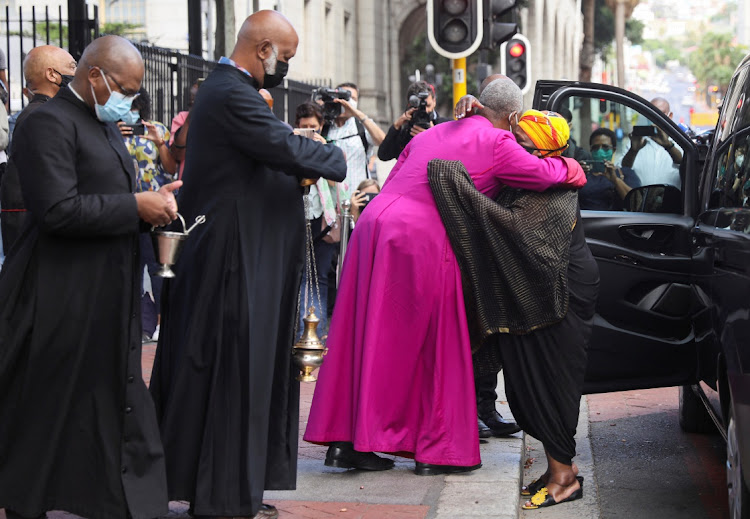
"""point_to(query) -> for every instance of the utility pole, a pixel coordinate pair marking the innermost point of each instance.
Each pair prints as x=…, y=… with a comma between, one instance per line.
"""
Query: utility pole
x=619, y=39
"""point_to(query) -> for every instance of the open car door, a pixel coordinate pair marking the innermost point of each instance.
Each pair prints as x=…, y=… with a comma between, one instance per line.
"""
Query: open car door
x=638, y=224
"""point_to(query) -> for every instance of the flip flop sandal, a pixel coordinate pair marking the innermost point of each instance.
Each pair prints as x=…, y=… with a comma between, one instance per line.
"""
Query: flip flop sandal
x=534, y=487
x=542, y=499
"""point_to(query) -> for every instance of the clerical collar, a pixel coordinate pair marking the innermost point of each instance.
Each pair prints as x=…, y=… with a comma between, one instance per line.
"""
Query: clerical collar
x=70, y=86
x=226, y=61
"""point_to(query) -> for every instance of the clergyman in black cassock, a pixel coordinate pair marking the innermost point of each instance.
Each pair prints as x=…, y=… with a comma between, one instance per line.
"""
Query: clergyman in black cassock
x=78, y=430
x=46, y=70
x=223, y=381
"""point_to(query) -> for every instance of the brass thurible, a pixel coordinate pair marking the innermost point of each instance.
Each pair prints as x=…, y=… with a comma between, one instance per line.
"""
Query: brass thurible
x=309, y=350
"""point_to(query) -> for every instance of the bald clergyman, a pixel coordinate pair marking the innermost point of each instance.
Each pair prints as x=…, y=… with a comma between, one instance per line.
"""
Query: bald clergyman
x=46, y=70
x=78, y=430
x=223, y=382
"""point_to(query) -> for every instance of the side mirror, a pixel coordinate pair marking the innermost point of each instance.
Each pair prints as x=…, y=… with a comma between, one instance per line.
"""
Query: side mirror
x=654, y=199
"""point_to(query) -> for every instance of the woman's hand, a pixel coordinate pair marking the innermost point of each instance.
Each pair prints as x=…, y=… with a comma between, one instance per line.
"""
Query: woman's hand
x=153, y=134
x=358, y=199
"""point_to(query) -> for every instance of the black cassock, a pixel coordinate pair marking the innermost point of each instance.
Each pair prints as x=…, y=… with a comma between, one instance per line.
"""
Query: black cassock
x=78, y=430
x=223, y=381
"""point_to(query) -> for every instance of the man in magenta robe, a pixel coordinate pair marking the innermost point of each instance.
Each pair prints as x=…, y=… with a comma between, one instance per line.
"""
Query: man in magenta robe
x=398, y=375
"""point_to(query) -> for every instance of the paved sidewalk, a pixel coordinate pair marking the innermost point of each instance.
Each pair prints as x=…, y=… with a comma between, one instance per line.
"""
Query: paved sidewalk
x=323, y=492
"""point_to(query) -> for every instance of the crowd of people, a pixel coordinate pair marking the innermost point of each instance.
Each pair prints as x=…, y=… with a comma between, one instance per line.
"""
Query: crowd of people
x=490, y=199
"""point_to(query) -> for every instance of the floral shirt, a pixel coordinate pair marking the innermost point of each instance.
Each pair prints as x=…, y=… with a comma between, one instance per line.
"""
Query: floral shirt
x=151, y=174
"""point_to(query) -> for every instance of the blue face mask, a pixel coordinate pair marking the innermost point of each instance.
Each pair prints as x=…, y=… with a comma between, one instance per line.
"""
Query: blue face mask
x=602, y=154
x=116, y=107
x=132, y=117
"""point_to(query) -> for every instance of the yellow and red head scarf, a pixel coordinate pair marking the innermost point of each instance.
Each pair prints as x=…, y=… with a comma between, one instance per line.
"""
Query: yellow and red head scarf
x=549, y=131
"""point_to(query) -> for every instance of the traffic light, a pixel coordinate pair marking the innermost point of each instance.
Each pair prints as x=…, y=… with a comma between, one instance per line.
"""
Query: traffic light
x=454, y=27
x=499, y=22
x=515, y=62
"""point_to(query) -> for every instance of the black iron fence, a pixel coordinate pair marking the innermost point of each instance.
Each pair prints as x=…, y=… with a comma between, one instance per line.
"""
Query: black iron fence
x=169, y=74
x=30, y=27
x=168, y=78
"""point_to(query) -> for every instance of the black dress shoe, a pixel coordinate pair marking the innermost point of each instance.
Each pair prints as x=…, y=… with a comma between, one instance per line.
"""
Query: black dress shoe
x=484, y=431
x=428, y=469
x=343, y=456
x=497, y=425
x=267, y=512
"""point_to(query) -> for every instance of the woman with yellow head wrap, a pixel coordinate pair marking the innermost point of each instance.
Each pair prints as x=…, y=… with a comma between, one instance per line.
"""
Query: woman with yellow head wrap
x=543, y=133
x=544, y=369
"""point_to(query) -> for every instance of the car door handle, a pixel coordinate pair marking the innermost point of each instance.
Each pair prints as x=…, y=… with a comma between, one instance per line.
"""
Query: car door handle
x=624, y=258
x=640, y=234
x=648, y=235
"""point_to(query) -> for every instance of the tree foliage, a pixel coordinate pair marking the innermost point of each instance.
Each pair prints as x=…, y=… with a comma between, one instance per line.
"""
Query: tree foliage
x=604, y=30
x=665, y=50
x=715, y=59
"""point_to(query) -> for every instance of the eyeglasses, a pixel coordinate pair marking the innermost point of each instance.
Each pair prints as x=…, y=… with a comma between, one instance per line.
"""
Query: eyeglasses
x=605, y=147
x=129, y=94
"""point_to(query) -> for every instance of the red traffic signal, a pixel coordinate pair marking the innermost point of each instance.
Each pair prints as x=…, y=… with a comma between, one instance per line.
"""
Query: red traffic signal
x=515, y=63
x=517, y=50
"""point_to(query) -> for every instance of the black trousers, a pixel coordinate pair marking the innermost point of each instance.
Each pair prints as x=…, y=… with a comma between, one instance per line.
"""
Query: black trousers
x=544, y=372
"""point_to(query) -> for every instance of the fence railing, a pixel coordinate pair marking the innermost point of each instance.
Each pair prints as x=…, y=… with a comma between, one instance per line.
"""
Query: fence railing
x=169, y=74
x=32, y=27
x=168, y=78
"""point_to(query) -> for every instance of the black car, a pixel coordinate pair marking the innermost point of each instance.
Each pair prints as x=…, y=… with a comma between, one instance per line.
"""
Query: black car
x=674, y=259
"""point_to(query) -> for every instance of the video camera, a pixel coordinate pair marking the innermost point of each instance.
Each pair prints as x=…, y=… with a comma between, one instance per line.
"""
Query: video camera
x=420, y=117
x=331, y=109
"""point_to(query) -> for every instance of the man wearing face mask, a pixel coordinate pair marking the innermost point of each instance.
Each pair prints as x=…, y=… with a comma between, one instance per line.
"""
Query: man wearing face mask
x=356, y=133
x=78, y=430
x=223, y=381
x=607, y=184
x=46, y=70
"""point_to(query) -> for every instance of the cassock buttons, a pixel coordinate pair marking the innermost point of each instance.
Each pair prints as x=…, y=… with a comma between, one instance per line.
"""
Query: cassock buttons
x=131, y=378
x=128, y=410
x=124, y=470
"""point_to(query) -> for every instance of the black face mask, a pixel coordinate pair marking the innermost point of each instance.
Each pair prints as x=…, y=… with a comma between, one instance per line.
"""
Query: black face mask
x=65, y=79
x=272, y=80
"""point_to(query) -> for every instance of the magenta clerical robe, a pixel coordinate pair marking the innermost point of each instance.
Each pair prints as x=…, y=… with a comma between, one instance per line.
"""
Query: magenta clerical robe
x=398, y=375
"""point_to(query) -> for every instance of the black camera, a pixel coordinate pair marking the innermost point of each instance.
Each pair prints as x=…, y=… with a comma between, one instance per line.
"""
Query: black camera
x=331, y=109
x=420, y=117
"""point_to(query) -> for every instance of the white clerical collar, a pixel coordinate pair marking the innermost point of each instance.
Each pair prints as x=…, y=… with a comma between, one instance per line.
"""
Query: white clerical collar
x=70, y=86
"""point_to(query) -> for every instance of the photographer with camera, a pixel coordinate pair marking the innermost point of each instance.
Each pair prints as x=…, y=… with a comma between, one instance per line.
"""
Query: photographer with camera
x=420, y=115
x=606, y=183
x=351, y=130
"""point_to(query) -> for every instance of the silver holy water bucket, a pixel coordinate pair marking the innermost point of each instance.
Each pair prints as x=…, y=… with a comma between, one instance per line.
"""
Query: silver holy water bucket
x=168, y=244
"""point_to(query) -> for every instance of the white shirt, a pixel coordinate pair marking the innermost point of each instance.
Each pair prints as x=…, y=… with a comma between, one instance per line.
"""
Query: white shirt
x=313, y=205
x=654, y=165
x=347, y=138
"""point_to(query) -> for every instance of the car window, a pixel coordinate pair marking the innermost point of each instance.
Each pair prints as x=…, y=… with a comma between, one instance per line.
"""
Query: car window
x=734, y=113
x=639, y=153
x=731, y=174
x=742, y=111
